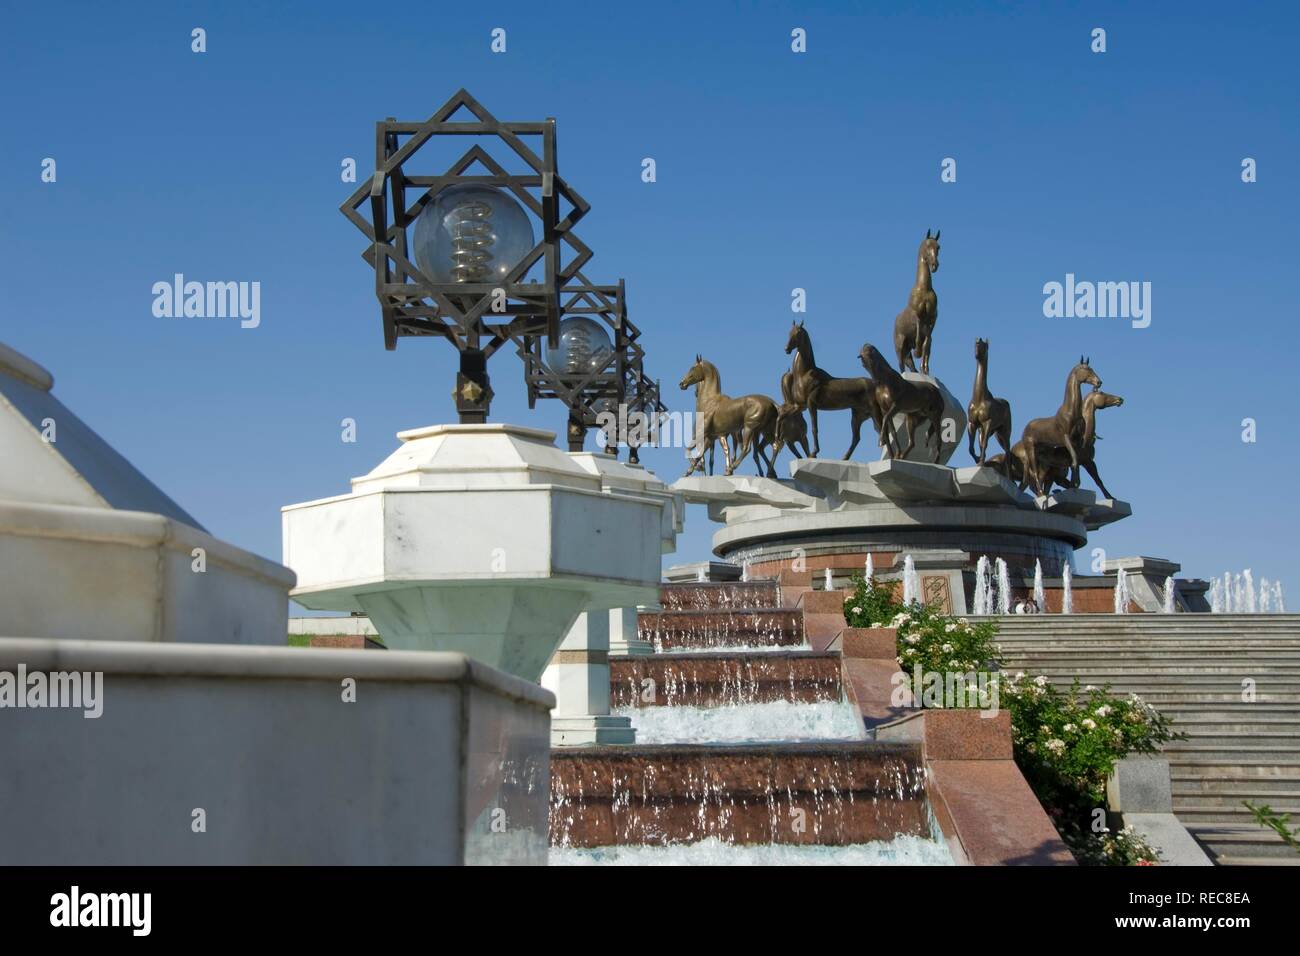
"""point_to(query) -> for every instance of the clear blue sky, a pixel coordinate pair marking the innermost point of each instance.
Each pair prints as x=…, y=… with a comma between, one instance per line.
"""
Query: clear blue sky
x=775, y=170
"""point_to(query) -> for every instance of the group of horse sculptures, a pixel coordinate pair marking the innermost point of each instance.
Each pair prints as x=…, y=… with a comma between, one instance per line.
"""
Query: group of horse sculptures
x=1051, y=451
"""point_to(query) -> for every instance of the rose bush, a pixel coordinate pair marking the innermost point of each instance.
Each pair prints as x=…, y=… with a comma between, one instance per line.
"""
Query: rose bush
x=1066, y=742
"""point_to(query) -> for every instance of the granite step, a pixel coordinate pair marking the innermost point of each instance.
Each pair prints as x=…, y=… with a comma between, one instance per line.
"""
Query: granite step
x=718, y=629
x=720, y=595
x=724, y=678
x=831, y=794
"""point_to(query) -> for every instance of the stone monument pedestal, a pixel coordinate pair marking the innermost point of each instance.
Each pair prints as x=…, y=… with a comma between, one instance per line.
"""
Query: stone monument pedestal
x=481, y=539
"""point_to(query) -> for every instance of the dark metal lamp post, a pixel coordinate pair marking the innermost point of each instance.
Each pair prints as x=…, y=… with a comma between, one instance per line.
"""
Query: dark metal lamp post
x=453, y=252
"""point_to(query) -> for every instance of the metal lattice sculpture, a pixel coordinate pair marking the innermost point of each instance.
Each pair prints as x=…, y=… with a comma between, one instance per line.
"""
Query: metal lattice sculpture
x=478, y=316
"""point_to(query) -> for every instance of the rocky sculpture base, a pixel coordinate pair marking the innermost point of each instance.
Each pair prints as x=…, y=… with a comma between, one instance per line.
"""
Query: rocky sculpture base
x=852, y=509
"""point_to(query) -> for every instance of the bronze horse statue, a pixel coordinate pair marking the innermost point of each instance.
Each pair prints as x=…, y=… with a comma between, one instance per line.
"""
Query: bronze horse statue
x=791, y=431
x=986, y=414
x=717, y=416
x=1063, y=430
x=914, y=326
x=807, y=386
x=919, y=401
x=1058, y=469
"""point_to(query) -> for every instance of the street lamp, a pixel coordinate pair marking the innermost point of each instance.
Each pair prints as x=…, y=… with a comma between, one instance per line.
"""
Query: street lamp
x=481, y=256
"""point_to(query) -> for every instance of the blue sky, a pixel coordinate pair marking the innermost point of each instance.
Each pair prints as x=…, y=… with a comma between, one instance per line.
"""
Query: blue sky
x=775, y=170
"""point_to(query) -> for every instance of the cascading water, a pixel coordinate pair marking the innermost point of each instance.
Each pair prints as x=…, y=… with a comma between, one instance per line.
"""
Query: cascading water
x=1067, y=595
x=744, y=572
x=911, y=582
x=1040, y=593
x=1248, y=583
x=702, y=576
x=983, y=587
x=1169, y=604
x=1122, y=596
x=732, y=746
x=871, y=569
x=1004, y=588
x=769, y=722
x=826, y=580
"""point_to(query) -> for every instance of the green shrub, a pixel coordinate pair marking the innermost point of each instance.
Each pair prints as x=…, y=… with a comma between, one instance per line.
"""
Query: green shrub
x=1066, y=742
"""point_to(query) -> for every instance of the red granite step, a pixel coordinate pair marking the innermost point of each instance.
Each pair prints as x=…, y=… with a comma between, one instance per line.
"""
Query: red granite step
x=762, y=627
x=721, y=595
x=720, y=679
x=815, y=793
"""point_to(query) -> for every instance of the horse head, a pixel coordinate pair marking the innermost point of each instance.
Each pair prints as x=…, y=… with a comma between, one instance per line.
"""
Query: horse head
x=1084, y=374
x=1102, y=399
x=981, y=350
x=871, y=359
x=695, y=375
x=929, y=250
x=796, y=332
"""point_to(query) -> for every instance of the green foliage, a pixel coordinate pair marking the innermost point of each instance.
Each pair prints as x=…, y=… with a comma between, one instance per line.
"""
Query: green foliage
x=1266, y=816
x=1066, y=742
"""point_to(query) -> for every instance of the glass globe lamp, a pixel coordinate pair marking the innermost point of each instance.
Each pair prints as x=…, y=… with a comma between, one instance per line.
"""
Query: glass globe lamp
x=471, y=234
x=584, y=347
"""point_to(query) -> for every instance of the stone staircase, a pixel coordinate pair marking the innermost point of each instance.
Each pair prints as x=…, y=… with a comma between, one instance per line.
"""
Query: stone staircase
x=1193, y=668
x=730, y=644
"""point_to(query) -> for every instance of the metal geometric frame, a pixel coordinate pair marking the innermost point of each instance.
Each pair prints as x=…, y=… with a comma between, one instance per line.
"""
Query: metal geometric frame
x=479, y=317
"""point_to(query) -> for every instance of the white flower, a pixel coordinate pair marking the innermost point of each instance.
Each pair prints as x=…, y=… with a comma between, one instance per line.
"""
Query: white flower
x=1040, y=680
x=947, y=648
x=1103, y=710
x=856, y=610
x=1089, y=723
x=1055, y=745
x=1069, y=728
x=949, y=628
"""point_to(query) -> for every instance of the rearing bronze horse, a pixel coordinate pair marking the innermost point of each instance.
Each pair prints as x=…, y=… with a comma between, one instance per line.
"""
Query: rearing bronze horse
x=1064, y=429
x=815, y=389
x=914, y=326
x=986, y=413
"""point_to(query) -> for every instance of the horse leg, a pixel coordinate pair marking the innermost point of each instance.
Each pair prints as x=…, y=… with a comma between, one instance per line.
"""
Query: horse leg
x=746, y=439
x=936, y=435
x=857, y=432
x=812, y=413
x=1092, y=470
x=1074, y=462
x=971, y=426
x=1031, y=458
x=1004, y=438
x=911, y=436
x=984, y=443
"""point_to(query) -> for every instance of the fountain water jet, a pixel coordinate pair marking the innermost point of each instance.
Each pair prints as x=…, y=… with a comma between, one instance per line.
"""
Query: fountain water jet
x=1040, y=593
x=1121, y=592
x=911, y=582
x=983, y=587
x=1169, y=596
x=1067, y=596
x=1004, y=588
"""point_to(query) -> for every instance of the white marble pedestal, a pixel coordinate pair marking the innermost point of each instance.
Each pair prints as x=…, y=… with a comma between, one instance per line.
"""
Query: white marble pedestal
x=482, y=539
